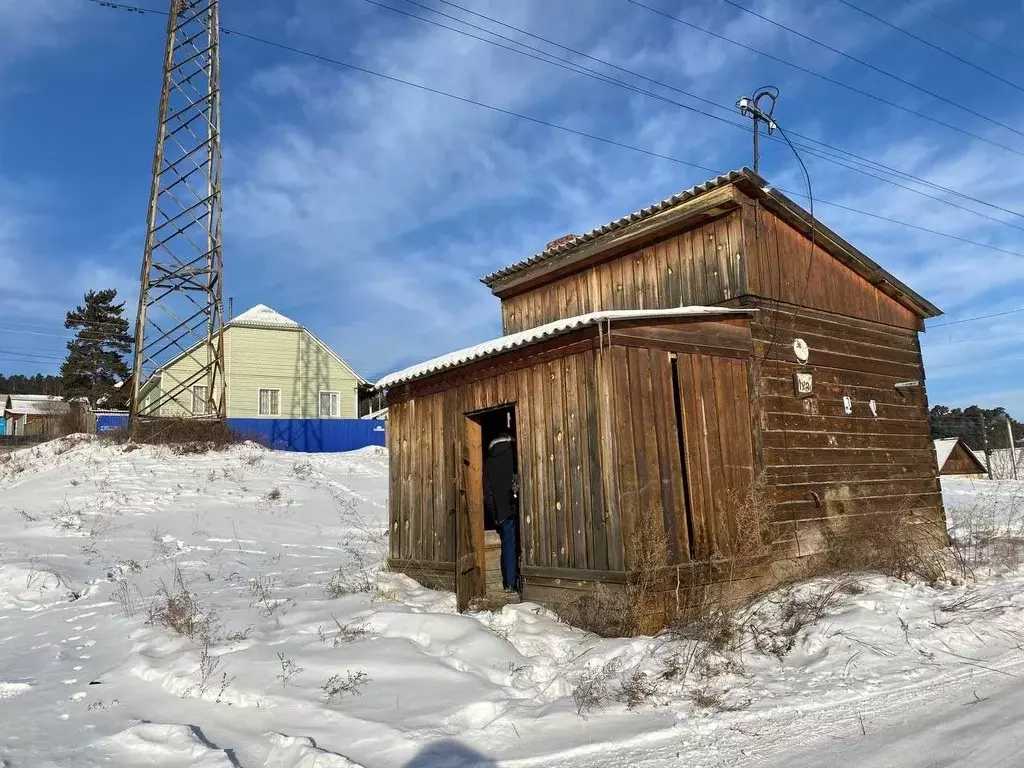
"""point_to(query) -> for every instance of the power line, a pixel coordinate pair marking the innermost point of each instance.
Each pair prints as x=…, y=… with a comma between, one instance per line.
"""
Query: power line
x=30, y=354
x=832, y=80
x=662, y=84
x=629, y=86
x=870, y=66
x=584, y=134
x=965, y=30
x=973, y=338
x=976, y=317
x=668, y=86
x=977, y=363
x=579, y=69
x=930, y=44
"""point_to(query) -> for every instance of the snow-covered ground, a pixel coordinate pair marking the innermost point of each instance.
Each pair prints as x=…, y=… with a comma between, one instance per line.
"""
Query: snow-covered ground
x=228, y=609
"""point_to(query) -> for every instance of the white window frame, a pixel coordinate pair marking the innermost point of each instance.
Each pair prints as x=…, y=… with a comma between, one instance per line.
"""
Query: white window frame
x=200, y=407
x=335, y=404
x=259, y=404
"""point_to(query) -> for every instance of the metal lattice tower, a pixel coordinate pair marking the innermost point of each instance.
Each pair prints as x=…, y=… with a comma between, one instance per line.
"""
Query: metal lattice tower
x=181, y=310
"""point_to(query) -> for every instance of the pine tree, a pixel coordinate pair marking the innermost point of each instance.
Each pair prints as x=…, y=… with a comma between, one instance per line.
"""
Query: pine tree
x=96, y=356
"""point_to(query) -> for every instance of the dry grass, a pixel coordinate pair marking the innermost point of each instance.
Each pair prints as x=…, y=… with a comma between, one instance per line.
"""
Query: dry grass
x=178, y=609
x=775, y=625
x=339, y=686
x=181, y=436
x=904, y=544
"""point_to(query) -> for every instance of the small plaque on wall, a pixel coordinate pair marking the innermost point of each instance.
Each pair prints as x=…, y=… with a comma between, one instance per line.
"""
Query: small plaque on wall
x=803, y=384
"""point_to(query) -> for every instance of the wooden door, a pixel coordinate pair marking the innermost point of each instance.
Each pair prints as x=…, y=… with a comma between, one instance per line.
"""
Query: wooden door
x=714, y=400
x=469, y=524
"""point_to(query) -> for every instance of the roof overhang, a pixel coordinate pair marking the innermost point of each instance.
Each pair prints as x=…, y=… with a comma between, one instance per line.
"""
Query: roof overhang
x=685, y=210
x=503, y=344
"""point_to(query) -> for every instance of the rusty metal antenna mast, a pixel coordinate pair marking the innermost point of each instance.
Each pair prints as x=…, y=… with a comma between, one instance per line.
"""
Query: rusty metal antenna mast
x=181, y=312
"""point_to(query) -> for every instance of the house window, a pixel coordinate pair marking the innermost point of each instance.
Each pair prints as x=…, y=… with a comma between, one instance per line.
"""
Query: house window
x=200, y=404
x=330, y=405
x=270, y=402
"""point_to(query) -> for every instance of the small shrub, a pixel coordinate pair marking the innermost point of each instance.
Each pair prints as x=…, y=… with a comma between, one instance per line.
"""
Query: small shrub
x=637, y=688
x=289, y=669
x=594, y=688
x=347, y=633
x=274, y=494
x=261, y=588
x=707, y=698
x=177, y=609
x=338, y=686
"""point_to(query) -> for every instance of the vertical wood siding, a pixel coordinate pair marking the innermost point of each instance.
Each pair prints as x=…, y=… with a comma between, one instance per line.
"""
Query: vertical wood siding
x=780, y=265
x=700, y=266
x=565, y=509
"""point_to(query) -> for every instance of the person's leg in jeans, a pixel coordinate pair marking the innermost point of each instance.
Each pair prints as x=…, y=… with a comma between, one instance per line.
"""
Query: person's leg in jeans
x=509, y=531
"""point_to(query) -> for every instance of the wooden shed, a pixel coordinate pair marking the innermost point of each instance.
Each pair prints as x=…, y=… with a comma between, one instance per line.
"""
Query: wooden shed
x=719, y=374
x=955, y=458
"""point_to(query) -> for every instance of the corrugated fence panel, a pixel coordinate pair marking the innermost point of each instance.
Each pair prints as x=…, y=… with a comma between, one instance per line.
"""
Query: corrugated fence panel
x=305, y=435
x=313, y=435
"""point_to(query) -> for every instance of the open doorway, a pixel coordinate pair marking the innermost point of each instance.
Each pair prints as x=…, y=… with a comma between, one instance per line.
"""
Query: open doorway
x=490, y=543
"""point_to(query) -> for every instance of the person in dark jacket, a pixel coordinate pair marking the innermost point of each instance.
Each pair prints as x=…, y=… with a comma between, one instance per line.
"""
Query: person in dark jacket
x=501, y=504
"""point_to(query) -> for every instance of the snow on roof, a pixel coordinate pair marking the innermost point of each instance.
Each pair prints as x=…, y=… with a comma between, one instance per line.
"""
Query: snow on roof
x=262, y=316
x=943, y=448
x=37, y=405
x=533, y=335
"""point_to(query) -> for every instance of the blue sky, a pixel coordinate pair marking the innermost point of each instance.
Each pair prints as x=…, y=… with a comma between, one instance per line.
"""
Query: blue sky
x=368, y=210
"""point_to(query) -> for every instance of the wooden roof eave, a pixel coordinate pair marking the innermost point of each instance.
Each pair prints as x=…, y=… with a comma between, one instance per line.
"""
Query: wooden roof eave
x=712, y=204
x=561, y=345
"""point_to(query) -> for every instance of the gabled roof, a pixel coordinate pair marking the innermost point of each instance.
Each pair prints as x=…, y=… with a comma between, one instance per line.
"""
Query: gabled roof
x=944, y=449
x=259, y=316
x=755, y=187
x=541, y=332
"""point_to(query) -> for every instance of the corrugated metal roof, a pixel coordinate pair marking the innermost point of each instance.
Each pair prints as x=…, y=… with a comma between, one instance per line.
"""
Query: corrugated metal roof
x=619, y=223
x=533, y=335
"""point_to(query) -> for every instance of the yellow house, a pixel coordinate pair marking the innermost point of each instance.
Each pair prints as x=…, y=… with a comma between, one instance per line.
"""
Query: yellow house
x=274, y=369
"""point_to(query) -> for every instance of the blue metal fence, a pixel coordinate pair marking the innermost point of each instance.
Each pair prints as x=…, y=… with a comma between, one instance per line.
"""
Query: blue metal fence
x=312, y=435
x=306, y=435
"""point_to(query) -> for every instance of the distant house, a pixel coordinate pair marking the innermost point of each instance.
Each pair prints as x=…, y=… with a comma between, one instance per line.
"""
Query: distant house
x=3, y=420
x=275, y=369
x=33, y=414
x=955, y=458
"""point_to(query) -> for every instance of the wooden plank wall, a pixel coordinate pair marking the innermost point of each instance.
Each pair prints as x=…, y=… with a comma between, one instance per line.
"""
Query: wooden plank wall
x=701, y=266
x=718, y=441
x=856, y=464
x=568, y=506
x=962, y=462
x=780, y=266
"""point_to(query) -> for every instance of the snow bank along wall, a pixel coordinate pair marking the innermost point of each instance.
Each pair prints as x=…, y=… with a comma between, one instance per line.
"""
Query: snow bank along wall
x=654, y=436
